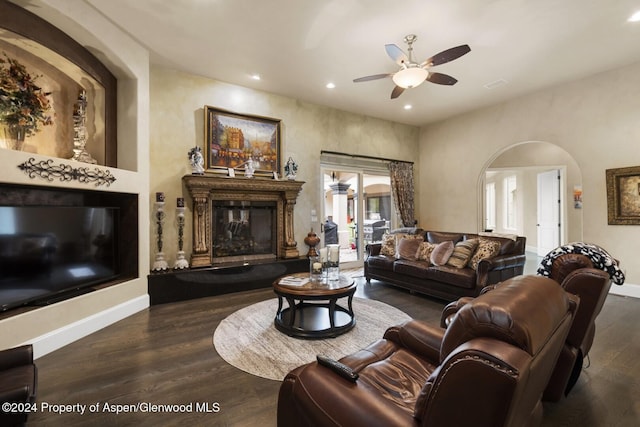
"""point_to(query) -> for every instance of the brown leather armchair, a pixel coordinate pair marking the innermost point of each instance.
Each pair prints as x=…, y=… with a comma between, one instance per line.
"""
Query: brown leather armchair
x=488, y=368
x=576, y=275
x=18, y=382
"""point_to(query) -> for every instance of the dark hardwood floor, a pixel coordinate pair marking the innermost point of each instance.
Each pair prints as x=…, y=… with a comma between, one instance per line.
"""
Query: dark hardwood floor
x=165, y=355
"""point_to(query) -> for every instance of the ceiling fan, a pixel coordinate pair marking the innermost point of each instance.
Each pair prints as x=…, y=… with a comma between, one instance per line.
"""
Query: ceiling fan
x=412, y=74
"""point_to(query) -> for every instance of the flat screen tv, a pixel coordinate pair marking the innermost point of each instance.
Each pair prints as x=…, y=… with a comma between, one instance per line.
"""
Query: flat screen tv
x=47, y=252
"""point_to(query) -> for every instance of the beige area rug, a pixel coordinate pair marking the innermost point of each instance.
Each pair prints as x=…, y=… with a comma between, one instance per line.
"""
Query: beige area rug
x=248, y=340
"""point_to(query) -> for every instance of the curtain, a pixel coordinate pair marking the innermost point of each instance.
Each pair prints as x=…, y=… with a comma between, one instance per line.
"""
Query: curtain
x=401, y=174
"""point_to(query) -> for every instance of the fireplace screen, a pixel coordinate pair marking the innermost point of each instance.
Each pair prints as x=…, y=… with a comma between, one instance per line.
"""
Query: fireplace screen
x=244, y=230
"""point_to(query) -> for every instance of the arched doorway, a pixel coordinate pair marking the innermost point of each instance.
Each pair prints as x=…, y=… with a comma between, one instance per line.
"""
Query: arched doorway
x=509, y=181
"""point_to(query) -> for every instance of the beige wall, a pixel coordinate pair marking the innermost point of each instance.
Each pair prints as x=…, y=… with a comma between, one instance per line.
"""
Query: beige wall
x=177, y=124
x=594, y=120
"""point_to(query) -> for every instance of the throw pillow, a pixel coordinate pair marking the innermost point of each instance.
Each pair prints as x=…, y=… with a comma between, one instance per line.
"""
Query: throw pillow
x=462, y=253
x=487, y=248
x=388, y=245
x=424, y=251
x=441, y=253
x=408, y=248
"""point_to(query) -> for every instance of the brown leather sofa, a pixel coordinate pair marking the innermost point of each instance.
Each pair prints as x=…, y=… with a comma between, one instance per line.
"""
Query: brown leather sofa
x=446, y=282
x=488, y=368
x=18, y=383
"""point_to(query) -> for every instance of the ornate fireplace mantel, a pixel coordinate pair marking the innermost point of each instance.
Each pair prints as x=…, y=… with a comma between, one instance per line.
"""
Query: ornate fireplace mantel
x=204, y=189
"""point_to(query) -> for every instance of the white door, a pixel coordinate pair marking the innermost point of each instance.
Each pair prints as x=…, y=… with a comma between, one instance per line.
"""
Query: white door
x=548, y=224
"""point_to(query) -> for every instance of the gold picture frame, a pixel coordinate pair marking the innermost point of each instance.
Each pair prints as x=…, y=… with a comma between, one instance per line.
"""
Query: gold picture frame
x=234, y=140
x=623, y=196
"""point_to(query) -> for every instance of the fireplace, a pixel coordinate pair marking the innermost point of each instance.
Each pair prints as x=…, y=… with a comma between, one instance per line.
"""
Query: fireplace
x=241, y=220
x=243, y=230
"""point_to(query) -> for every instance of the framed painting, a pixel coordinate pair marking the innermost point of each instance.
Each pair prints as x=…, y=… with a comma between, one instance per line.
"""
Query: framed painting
x=235, y=142
x=623, y=196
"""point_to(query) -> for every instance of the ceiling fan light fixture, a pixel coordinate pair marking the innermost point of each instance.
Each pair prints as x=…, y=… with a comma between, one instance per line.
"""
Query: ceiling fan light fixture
x=410, y=77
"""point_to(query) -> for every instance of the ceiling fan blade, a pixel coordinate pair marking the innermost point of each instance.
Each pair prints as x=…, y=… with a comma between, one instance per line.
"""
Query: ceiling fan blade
x=396, y=54
x=373, y=77
x=442, y=79
x=447, y=55
x=397, y=91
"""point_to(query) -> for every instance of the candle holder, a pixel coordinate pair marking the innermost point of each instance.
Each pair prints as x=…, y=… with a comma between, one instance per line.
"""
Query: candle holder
x=160, y=264
x=333, y=273
x=181, y=262
x=315, y=269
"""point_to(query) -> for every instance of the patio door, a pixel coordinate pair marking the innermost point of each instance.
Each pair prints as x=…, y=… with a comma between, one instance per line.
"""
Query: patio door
x=357, y=208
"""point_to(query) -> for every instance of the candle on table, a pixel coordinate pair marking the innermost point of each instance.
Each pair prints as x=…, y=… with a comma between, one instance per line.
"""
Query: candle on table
x=334, y=253
x=180, y=202
x=323, y=254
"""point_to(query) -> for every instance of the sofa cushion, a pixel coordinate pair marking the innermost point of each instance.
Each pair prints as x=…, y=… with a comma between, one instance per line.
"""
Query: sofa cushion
x=459, y=277
x=388, y=245
x=443, y=236
x=487, y=248
x=408, y=248
x=417, y=269
x=462, y=253
x=424, y=251
x=381, y=261
x=441, y=253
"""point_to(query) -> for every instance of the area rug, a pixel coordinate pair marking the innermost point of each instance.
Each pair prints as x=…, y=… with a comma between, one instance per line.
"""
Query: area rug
x=248, y=340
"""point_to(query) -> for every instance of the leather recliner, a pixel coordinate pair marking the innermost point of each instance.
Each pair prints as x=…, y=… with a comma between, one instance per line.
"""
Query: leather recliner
x=488, y=368
x=576, y=275
x=18, y=382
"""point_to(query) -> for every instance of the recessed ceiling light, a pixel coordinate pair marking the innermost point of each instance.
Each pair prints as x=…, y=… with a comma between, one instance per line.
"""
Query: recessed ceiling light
x=330, y=85
x=635, y=17
x=255, y=76
x=408, y=107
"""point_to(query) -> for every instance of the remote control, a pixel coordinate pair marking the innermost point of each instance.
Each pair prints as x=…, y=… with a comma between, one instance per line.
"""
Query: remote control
x=339, y=368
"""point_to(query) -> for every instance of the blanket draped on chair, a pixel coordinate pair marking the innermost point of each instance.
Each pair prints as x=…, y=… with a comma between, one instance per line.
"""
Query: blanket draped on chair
x=598, y=256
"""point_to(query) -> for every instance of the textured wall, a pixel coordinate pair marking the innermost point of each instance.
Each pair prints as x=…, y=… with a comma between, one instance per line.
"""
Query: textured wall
x=594, y=120
x=177, y=124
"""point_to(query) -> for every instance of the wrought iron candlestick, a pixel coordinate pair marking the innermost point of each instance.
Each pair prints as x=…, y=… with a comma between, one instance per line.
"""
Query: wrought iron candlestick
x=181, y=262
x=160, y=264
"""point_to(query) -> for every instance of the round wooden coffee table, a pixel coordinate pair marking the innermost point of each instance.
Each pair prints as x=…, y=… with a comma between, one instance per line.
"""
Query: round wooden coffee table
x=313, y=311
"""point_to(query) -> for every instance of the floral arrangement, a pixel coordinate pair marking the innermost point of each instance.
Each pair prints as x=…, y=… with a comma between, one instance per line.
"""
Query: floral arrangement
x=22, y=102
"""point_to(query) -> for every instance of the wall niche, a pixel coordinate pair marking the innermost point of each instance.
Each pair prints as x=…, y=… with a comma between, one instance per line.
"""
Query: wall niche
x=64, y=70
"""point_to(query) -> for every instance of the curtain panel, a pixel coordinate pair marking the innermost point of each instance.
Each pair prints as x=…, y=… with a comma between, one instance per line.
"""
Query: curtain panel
x=401, y=174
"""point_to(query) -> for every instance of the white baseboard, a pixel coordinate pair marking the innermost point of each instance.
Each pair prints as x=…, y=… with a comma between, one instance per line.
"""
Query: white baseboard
x=626, y=290
x=58, y=338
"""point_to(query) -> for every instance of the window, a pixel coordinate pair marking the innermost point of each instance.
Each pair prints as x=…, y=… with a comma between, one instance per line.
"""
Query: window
x=510, y=202
x=490, y=206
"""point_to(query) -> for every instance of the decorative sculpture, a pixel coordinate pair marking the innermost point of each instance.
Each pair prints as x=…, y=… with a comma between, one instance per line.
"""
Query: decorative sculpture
x=80, y=154
x=291, y=169
x=197, y=161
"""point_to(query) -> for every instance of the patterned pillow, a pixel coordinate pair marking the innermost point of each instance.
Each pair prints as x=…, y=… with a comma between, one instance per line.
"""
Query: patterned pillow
x=388, y=245
x=487, y=248
x=424, y=251
x=408, y=248
x=441, y=253
x=462, y=253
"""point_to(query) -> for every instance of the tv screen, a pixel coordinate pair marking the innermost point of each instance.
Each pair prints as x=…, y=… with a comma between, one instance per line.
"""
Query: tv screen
x=46, y=251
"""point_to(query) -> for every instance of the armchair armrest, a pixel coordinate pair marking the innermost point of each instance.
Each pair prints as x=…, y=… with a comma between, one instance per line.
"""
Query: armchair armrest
x=500, y=262
x=419, y=337
x=372, y=249
x=18, y=356
x=451, y=309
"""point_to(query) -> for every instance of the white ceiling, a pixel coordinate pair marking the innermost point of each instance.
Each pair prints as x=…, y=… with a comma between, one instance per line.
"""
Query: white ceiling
x=298, y=46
